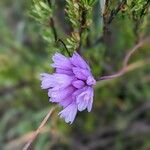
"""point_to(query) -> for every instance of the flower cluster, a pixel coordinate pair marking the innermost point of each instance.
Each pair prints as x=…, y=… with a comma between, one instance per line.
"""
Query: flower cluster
x=70, y=86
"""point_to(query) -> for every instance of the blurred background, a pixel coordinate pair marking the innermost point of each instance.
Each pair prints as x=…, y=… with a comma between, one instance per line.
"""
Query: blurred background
x=120, y=118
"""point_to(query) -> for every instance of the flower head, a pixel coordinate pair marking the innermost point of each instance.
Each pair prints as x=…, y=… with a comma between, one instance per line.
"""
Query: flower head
x=70, y=86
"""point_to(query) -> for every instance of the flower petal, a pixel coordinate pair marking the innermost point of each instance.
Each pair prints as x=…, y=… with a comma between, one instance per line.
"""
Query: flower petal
x=91, y=80
x=78, y=84
x=79, y=91
x=78, y=61
x=56, y=81
x=69, y=113
x=70, y=86
x=85, y=99
x=59, y=95
x=62, y=80
x=46, y=80
x=65, y=102
x=81, y=73
x=89, y=107
x=62, y=71
x=60, y=61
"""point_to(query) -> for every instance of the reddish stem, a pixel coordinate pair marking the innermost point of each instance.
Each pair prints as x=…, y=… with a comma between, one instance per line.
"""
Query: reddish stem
x=125, y=61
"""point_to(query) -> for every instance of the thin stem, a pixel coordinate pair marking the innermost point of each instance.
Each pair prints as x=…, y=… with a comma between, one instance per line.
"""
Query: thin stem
x=125, y=61
x=108, y=20
x=35, y=134
x=140, y=18
x=52, y=24
x=61, y=41
x=116, y=11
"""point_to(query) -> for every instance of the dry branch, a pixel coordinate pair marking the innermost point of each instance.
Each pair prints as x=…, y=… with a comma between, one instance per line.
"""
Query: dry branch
x=125, y=61
x=35, y=134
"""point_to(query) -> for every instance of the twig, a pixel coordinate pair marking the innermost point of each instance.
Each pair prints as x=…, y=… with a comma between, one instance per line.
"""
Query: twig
x=52, y=23
x=138, y=21
x=145, y=9
x=107, y=21
x=131, y=67
x=16, y=143
x=53, y=28
x=116, y=11
x=35, y=134
x=61, y=41
x=125, y=61
x=138, y=64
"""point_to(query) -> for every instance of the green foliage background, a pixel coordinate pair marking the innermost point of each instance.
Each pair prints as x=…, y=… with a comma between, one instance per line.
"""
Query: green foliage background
x=120, y=116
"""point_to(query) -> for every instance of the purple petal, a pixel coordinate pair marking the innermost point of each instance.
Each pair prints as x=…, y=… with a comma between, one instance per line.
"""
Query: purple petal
x=79, y=91
x=91, y=81
x=59, y=95
x=69, y=113
x=59, y=81
x=81, y=73
x=89, y=107
x=78, y=84
x=56, y=81
x=70, y=86
x=62, y=62
x=65, y=102
x=62, y=71
x=46, y=80
x=78, y=61
x=85, y=99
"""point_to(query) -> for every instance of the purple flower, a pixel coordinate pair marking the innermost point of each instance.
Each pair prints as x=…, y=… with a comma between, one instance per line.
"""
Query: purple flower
x=70, y=86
